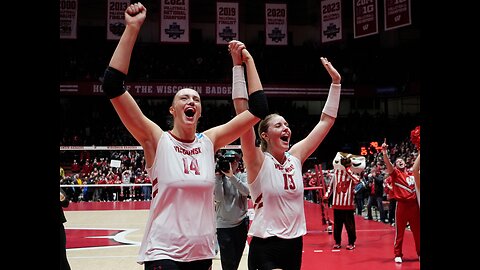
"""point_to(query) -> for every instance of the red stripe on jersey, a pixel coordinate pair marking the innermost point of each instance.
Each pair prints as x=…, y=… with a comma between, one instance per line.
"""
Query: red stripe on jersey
x=258, y=202
x=260, y=205
x=154, y=187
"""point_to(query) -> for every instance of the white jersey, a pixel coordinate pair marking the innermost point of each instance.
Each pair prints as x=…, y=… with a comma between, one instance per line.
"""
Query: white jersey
x=277, y=194
x=181, y=221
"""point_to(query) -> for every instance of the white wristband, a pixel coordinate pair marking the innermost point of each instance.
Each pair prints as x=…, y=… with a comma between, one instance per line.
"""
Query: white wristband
x=239, y=88
x=333, y=99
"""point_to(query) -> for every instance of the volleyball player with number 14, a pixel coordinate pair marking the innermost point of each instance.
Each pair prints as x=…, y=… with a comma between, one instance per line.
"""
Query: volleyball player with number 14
x=180, y=230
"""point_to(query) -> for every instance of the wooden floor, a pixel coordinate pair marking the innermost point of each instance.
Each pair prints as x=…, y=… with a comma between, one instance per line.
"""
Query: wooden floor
x=99, y=238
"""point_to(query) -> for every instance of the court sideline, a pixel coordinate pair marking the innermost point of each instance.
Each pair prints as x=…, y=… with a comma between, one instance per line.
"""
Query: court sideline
x=106, y=235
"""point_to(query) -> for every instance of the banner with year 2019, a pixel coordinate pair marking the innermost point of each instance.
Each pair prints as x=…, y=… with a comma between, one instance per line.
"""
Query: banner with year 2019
x=331, y=19
x=116, y=18
x=68, y=19
x=276, y=24
x=227, y=22
x=175, y=21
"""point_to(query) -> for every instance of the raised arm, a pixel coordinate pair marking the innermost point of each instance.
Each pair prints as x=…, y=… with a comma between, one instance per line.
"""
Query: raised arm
x=251, y=115
x=252, y=156
x=416, y=170
x=304, y=148
x=388, y=164
x=142, y=129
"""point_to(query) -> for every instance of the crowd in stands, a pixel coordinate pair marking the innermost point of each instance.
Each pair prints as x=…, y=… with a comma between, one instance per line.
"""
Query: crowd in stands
x=92, y=168
x=95, y=171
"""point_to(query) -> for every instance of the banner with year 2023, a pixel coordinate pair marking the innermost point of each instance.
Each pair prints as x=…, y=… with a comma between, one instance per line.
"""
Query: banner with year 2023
x=331, y=19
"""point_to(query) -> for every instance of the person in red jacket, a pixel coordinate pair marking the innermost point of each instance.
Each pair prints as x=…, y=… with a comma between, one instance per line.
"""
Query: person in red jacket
x=408, y=210
x=343, y=203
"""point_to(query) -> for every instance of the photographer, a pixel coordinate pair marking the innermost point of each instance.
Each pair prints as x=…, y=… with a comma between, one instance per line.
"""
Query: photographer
x=231, y=191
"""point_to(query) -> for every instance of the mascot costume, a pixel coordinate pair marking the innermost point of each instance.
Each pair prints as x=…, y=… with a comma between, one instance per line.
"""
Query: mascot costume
x=346, y=171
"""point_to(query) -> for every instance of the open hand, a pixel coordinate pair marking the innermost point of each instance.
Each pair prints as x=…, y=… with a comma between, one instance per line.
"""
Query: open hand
x=336, y=78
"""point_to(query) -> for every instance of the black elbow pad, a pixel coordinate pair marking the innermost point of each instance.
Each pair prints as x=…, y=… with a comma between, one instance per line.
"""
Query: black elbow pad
x=113, y=83
x=258, y=104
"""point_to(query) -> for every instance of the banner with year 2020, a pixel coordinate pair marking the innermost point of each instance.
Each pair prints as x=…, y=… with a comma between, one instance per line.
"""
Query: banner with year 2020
x=276, y=24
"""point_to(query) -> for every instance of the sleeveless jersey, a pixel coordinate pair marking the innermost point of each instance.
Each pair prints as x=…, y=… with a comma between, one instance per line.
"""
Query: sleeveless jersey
x=181, y=220
x=343, y=185
x=277, y=193
x=403, y=184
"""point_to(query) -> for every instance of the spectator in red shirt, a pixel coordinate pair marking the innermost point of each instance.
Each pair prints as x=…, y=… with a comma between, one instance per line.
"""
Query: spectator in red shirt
x=75, y=168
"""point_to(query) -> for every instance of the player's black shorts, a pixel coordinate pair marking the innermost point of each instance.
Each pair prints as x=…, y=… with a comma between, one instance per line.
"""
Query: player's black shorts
x=274, y=252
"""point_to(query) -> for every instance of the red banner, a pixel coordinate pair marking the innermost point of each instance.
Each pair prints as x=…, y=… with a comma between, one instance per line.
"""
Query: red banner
x=365, y=18
x=397, y=13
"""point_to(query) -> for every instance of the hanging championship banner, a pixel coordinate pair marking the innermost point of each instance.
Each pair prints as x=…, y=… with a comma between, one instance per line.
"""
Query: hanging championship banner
x=331, y=19
x=175, y=21
x=227, y=22
x=276, y=24
x=365, y=18
x=397, y=13
x=116, y=18
x=68, y=19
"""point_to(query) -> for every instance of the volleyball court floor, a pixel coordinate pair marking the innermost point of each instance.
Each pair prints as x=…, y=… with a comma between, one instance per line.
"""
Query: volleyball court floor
x=107, y=235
